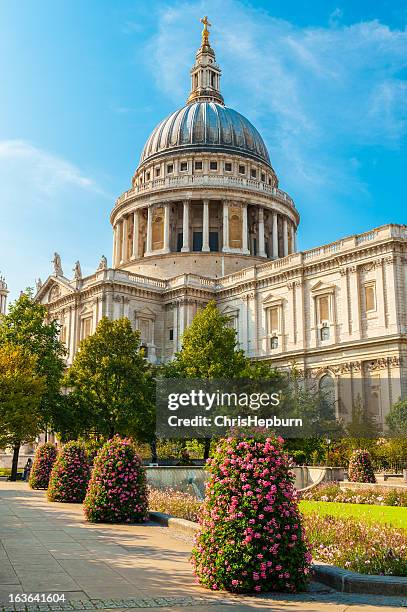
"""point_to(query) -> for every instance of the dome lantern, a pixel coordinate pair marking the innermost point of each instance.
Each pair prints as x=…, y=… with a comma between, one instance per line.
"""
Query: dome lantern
x=205, y=74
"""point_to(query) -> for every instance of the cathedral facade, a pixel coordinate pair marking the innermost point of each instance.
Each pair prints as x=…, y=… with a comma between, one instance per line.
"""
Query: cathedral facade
x=205, y=219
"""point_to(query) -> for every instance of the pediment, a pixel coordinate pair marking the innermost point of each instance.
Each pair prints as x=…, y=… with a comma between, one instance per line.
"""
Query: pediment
x=272, y=299
x=321, y=287
x=229, y=311
x=145, y=312
x=53, y=289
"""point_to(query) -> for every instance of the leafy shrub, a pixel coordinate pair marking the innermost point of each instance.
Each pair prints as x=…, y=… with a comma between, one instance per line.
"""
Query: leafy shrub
x=251, y=538
x=45, y=457
x=179, y=504
x=117, y=491
x=360, y=467
x=70, y=474
x=299, y=457
x=357, y=546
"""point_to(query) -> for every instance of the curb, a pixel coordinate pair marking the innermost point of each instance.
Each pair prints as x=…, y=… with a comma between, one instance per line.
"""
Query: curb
x=339, y=579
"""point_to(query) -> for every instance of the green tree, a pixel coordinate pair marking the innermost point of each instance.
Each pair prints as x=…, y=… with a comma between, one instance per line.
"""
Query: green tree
x=110, y=384
x=397, y=419
x=21, y=394
x=210, y=351
x=27, y=325
x=362, y=425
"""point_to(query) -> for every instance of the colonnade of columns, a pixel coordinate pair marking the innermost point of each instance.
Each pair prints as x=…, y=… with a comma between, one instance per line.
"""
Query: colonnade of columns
x=122, y=239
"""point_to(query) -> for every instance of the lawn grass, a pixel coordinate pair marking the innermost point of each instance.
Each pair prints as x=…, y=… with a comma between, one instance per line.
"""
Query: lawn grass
x=389, y=515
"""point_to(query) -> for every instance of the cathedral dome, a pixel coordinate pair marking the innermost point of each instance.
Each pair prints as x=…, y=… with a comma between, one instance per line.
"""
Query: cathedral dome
x=206, y=126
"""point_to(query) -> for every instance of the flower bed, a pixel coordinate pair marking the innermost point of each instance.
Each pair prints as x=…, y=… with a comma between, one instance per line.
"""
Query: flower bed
x=357, y=546
x=332, y=492
x=347, y=543
x=176, y=503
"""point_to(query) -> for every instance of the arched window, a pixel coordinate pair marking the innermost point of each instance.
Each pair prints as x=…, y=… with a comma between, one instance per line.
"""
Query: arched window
x=327, y=388
x=274, y=342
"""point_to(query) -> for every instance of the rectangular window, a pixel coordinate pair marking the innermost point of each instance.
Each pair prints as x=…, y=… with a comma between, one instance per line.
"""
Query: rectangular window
x=86, y=327
x=323, y=304
x=157, y=171
x=273, y=319
x=213, y=165
x=197, y=241
x=228, y=167
x=148, y=176
x=242, y=169
x=214, y=241
x=184, y=166
x=198, y=165
x=263, y=177
x=171, y=334
x=370, y=297
x=170, y=168
x=253, y=172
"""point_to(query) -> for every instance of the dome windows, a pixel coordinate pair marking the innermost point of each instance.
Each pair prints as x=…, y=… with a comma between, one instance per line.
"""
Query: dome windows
x=242, y=169
x=228, y=167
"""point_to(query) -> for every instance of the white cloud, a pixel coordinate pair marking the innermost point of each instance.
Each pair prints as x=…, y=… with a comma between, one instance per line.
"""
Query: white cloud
x=39, y=175
x=308, y=90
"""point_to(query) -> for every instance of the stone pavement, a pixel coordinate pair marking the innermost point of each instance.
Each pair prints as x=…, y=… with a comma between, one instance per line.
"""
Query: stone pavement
x=49, y=548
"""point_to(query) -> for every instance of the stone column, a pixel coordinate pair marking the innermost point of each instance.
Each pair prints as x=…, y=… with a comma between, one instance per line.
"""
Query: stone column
x=292, y=230
x=149, y=230
x=166, y=228
x=285, y=236
x=275, y=236
x=185, y=227
x=225, y=226
x=244, y=231
x=135, y=247
x=114, y=253
x=205, y=229
x=261, y=251
x=125, y=225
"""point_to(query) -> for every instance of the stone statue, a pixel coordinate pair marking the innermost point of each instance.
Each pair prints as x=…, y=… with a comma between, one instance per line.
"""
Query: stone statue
x=77, y=272
x=103, y=263
x=57, y=265
x=38, y=284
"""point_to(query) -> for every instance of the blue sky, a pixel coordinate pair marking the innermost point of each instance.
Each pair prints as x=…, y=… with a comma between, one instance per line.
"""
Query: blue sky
x=84, y=83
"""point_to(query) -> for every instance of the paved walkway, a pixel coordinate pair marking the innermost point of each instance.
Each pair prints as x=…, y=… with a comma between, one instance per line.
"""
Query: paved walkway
x=50, y=548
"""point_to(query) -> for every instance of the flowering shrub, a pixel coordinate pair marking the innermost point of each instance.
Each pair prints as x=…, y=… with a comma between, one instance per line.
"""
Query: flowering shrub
x=251, y=537
x=70, y=474
x=180, y=504
x=117, y=491
x=44, y=460
x=357, y=546
x=360, y=467
x=381, y=496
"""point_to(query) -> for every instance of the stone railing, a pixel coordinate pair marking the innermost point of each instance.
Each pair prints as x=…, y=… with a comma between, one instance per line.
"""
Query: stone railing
x=206, y=180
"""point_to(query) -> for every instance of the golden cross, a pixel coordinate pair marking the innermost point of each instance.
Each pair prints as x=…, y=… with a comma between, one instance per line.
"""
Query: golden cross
x=205, y=31
x=206, y=23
